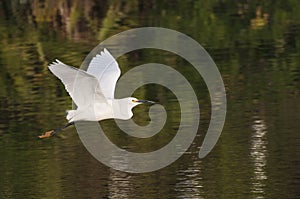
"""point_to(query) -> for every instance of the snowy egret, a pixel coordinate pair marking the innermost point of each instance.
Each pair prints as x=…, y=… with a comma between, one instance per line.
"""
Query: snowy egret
x=93, y=91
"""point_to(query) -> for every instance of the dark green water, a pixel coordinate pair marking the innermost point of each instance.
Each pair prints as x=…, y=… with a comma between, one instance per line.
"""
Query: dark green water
x=256, y=46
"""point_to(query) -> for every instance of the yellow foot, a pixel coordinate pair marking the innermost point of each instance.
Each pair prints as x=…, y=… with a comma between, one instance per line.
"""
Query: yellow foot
x=46, y=135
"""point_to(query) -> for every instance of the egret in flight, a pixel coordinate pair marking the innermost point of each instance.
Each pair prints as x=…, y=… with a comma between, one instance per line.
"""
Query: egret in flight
x=93, y=91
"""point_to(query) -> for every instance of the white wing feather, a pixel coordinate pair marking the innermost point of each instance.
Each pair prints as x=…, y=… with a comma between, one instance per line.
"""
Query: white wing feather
x=83, y=88
x=106, y=69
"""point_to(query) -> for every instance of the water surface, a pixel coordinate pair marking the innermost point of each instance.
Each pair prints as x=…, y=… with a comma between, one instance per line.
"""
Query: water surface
x=256, y=47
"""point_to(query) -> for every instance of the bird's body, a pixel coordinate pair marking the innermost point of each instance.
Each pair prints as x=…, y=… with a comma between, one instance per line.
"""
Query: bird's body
x=114, y=108
x=93, y=90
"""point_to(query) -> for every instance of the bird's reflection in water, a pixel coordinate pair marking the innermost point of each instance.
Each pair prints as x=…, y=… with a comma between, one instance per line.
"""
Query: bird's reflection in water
x=189, y=180
x=119, y=185
x=258, y=153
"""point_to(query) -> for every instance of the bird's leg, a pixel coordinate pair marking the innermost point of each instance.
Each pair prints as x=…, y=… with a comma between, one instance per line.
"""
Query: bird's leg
x=61, y=128
x=53, y=132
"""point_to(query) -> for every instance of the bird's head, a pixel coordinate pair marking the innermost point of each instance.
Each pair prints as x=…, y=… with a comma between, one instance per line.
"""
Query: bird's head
x=134, y=102
x=122, y=108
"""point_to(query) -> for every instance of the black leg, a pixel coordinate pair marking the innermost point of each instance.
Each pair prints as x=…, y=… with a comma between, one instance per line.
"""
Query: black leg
x=61, y=128
x=53, y=132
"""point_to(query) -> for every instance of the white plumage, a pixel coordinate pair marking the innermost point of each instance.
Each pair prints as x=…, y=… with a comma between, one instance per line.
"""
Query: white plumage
x=93, y=90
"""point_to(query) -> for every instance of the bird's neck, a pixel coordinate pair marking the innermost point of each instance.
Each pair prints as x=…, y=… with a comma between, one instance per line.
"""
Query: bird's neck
x=121, y=109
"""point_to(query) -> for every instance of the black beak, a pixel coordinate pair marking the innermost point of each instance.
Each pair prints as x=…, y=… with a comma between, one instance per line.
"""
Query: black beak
x=146, y=102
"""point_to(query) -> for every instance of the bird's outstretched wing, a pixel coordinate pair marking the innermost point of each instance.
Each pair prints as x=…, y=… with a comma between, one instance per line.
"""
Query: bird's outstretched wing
x=83, y=88
x=106, y=69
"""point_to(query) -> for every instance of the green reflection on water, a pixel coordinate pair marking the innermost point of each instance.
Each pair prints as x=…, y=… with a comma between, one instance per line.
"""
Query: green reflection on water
x=256, y=47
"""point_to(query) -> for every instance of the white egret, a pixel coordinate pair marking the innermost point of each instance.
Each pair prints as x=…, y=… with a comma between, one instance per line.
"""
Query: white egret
x=93, y=91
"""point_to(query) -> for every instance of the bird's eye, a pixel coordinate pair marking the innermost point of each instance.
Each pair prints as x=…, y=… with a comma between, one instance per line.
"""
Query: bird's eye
x=133, y=100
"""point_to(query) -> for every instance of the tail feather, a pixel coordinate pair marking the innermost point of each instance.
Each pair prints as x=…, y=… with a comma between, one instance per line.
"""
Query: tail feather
x=70, y=114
